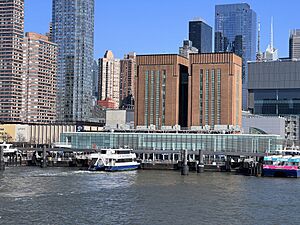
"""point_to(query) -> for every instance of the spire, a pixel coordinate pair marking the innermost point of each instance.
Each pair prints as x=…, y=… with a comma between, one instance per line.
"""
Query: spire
x=271, y=53
x=258, y=36
x=271, y=44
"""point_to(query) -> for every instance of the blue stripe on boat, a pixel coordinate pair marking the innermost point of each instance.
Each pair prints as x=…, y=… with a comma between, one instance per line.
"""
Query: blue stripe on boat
x=121, y=168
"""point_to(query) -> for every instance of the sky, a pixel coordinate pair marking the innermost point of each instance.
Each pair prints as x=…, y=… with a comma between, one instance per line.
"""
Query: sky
x=160, y=26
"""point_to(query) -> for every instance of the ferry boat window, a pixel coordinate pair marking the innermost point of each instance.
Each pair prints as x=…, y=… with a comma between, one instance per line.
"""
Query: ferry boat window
x=124, y=160
x=103, y=151
x=123, y=152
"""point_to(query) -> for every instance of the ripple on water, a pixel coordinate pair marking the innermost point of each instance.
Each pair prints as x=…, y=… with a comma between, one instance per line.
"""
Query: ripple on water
x=65, y=196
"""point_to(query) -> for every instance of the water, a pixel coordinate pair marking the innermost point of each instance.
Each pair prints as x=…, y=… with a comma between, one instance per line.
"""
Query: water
x=30, y=195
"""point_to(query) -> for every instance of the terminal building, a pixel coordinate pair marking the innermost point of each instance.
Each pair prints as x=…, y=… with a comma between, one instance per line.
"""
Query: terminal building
x=223, y=142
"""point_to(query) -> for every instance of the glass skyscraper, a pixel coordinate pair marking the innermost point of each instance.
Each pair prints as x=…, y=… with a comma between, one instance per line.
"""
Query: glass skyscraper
x=73, y=32
x=200, y=34
x=235, y=31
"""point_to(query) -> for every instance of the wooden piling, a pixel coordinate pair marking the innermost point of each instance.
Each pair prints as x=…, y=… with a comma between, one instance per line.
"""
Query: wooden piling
x=200, y=166
x=185, y=167
x=44, y=164
x=228, y=164
x=2, y=164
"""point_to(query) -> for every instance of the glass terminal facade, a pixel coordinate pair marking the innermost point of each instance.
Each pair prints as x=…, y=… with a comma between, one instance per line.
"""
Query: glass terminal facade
x=239, y=143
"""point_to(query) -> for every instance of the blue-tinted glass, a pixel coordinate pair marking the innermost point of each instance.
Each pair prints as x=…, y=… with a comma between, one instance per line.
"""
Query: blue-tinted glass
x=73, y=32
x=277, y=101
x=235, y=31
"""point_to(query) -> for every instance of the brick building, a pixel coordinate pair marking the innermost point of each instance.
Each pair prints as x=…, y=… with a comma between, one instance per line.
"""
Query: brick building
x=205, y=89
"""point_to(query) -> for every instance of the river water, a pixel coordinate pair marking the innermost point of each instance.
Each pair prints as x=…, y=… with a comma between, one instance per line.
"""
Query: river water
x=30, y=195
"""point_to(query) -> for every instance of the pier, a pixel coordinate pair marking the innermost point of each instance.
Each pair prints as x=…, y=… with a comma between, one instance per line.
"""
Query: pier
x=184, y=160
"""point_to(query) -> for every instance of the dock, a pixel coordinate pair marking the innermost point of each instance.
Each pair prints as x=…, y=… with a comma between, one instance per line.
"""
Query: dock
x=185, y=161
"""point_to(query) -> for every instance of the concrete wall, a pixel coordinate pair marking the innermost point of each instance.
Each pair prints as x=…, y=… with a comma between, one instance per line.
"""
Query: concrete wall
x=38, y=134
x=274, y=75
x=271, y=125
x=115, y=118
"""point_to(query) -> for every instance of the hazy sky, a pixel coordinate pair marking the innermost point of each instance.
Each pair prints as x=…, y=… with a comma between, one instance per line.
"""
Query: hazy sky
x=159, y=26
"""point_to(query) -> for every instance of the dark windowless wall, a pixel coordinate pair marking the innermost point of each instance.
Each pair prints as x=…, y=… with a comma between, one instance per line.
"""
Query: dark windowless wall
x=274, y=87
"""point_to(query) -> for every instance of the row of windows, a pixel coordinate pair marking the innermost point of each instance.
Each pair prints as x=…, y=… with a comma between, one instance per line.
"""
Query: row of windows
x=210, y=89
x=222, y=143
x=146, y=98
x=157, y=95
x=152, y=96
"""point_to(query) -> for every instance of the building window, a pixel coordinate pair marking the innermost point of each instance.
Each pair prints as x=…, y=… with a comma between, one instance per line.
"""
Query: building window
x=163, y=98
x=206, y=96
x=146, y=97
x=152, y=97
x=201, y=96
x=212, y=97
x=218, y=96
x=237, y=98
x=157, y=100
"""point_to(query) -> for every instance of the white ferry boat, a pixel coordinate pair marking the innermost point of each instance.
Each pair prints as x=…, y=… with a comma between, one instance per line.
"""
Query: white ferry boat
x=113, y=160
x=7, y=148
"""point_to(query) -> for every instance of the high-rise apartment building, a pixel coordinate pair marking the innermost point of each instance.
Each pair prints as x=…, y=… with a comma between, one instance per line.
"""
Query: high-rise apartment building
x=73, y=32
x=49, y=33
x=39, y=79
x=215, y=89
x=127, y=76
x=11, y=54
x=200, y=33
x=109, y=81
x=294, y=44
x=95, y=79
x=161, y=91
x=235, y=31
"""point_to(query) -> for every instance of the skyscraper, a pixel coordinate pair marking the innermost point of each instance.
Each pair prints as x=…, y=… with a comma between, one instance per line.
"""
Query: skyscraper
x=73, y=31
x=95, y=79
x=39, y=79
x=127, y=76
x=200, y=34
x=109, y=81
x=235, y=31
x=11, y=39
x=294, y=45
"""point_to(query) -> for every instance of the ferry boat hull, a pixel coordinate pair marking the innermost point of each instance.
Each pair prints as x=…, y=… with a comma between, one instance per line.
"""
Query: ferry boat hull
x=121, y=168
x=114, y=168
x=281, y=172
